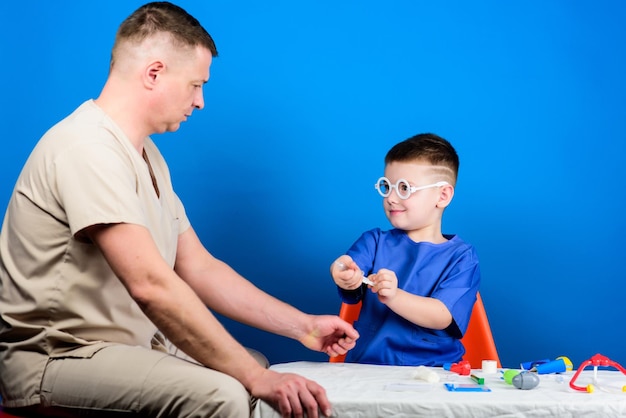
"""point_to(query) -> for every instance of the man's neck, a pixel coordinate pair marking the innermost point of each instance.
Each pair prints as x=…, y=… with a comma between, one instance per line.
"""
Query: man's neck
x=120, y=107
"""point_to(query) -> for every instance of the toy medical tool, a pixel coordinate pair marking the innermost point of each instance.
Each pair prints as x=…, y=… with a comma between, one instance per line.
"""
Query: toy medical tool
x=596, y=361
x=546, y=366
x=478, y=379
x=365, y=280
x=463, y=367
x=466, y=387
x=489, y=367
x=523, y=379
x=529, y=365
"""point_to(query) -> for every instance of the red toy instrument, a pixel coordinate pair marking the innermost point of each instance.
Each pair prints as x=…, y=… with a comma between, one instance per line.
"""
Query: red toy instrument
x=596, y=361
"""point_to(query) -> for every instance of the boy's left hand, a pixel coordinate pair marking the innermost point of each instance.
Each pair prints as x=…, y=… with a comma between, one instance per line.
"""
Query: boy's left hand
x=385, y=285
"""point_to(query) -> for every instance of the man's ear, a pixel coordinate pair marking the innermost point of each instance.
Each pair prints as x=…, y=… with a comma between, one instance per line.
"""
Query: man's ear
x=445, y=196
x=152, y=73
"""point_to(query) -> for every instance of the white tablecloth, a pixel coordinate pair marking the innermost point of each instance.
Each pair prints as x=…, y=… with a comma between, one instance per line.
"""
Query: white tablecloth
x=359, y=390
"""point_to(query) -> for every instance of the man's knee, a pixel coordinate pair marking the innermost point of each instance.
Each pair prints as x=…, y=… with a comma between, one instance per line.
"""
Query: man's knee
x=231, y=399
x=181, y=388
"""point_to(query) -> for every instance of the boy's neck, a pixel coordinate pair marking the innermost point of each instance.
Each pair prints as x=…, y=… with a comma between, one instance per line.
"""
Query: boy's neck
x=425, y=235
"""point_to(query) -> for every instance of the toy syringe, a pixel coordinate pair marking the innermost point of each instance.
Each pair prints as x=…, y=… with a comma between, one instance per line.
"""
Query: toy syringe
x=365, y=280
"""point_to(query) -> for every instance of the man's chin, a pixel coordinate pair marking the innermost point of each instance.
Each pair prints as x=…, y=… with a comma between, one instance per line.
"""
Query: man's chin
x=173, y=127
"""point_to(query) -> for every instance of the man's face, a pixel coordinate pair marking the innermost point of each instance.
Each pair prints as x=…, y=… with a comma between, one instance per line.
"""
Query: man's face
x=180, y=88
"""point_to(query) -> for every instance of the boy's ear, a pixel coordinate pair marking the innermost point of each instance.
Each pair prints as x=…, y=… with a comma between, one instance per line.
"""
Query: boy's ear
x=445, y=196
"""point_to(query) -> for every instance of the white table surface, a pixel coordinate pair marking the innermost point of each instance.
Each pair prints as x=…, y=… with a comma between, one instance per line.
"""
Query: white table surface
x=359, y=390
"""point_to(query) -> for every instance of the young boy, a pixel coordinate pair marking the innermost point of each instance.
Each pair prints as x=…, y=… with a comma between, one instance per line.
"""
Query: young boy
x=423, y=283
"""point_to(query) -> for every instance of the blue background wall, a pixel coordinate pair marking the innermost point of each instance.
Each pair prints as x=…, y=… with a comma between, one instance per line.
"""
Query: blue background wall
x=307, y=97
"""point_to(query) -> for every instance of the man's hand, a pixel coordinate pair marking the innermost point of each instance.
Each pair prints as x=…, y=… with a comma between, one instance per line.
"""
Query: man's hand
x=291, y=395
x=330, y=334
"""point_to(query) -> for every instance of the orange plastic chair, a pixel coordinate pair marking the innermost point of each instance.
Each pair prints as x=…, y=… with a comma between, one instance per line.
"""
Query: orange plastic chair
x=349, y=313
x=478, y=339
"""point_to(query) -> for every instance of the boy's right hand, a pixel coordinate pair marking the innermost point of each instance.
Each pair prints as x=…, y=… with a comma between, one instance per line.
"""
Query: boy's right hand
x=346, y=273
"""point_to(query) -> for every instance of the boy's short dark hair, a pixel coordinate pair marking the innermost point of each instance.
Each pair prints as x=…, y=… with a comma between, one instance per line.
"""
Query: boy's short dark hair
x=427, y=147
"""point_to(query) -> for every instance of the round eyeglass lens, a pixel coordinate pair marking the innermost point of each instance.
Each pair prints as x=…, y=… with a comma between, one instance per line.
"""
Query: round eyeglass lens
x=403, y=188
x=383, y=187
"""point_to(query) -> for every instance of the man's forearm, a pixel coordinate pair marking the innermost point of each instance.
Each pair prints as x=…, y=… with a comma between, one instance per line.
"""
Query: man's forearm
x=170, y=303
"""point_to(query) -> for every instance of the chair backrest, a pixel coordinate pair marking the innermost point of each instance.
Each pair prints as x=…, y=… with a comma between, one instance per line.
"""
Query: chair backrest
x=478, y=339
x=349, y=313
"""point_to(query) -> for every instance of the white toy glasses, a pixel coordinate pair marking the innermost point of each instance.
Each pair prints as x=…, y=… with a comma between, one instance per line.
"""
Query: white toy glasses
x=403, y=188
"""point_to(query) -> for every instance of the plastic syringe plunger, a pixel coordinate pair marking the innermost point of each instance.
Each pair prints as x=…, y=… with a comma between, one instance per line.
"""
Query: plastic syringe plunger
x=365, y=280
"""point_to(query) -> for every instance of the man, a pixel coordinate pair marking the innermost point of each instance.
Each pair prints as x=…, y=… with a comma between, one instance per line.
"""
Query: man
x=99, y=262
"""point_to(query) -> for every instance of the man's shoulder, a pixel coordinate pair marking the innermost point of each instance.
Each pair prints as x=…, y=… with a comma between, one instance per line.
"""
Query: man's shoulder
x=87, y=115
x=84, y=129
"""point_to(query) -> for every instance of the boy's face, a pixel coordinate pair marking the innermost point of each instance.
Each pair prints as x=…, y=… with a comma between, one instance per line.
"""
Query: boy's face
x=420, y=214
